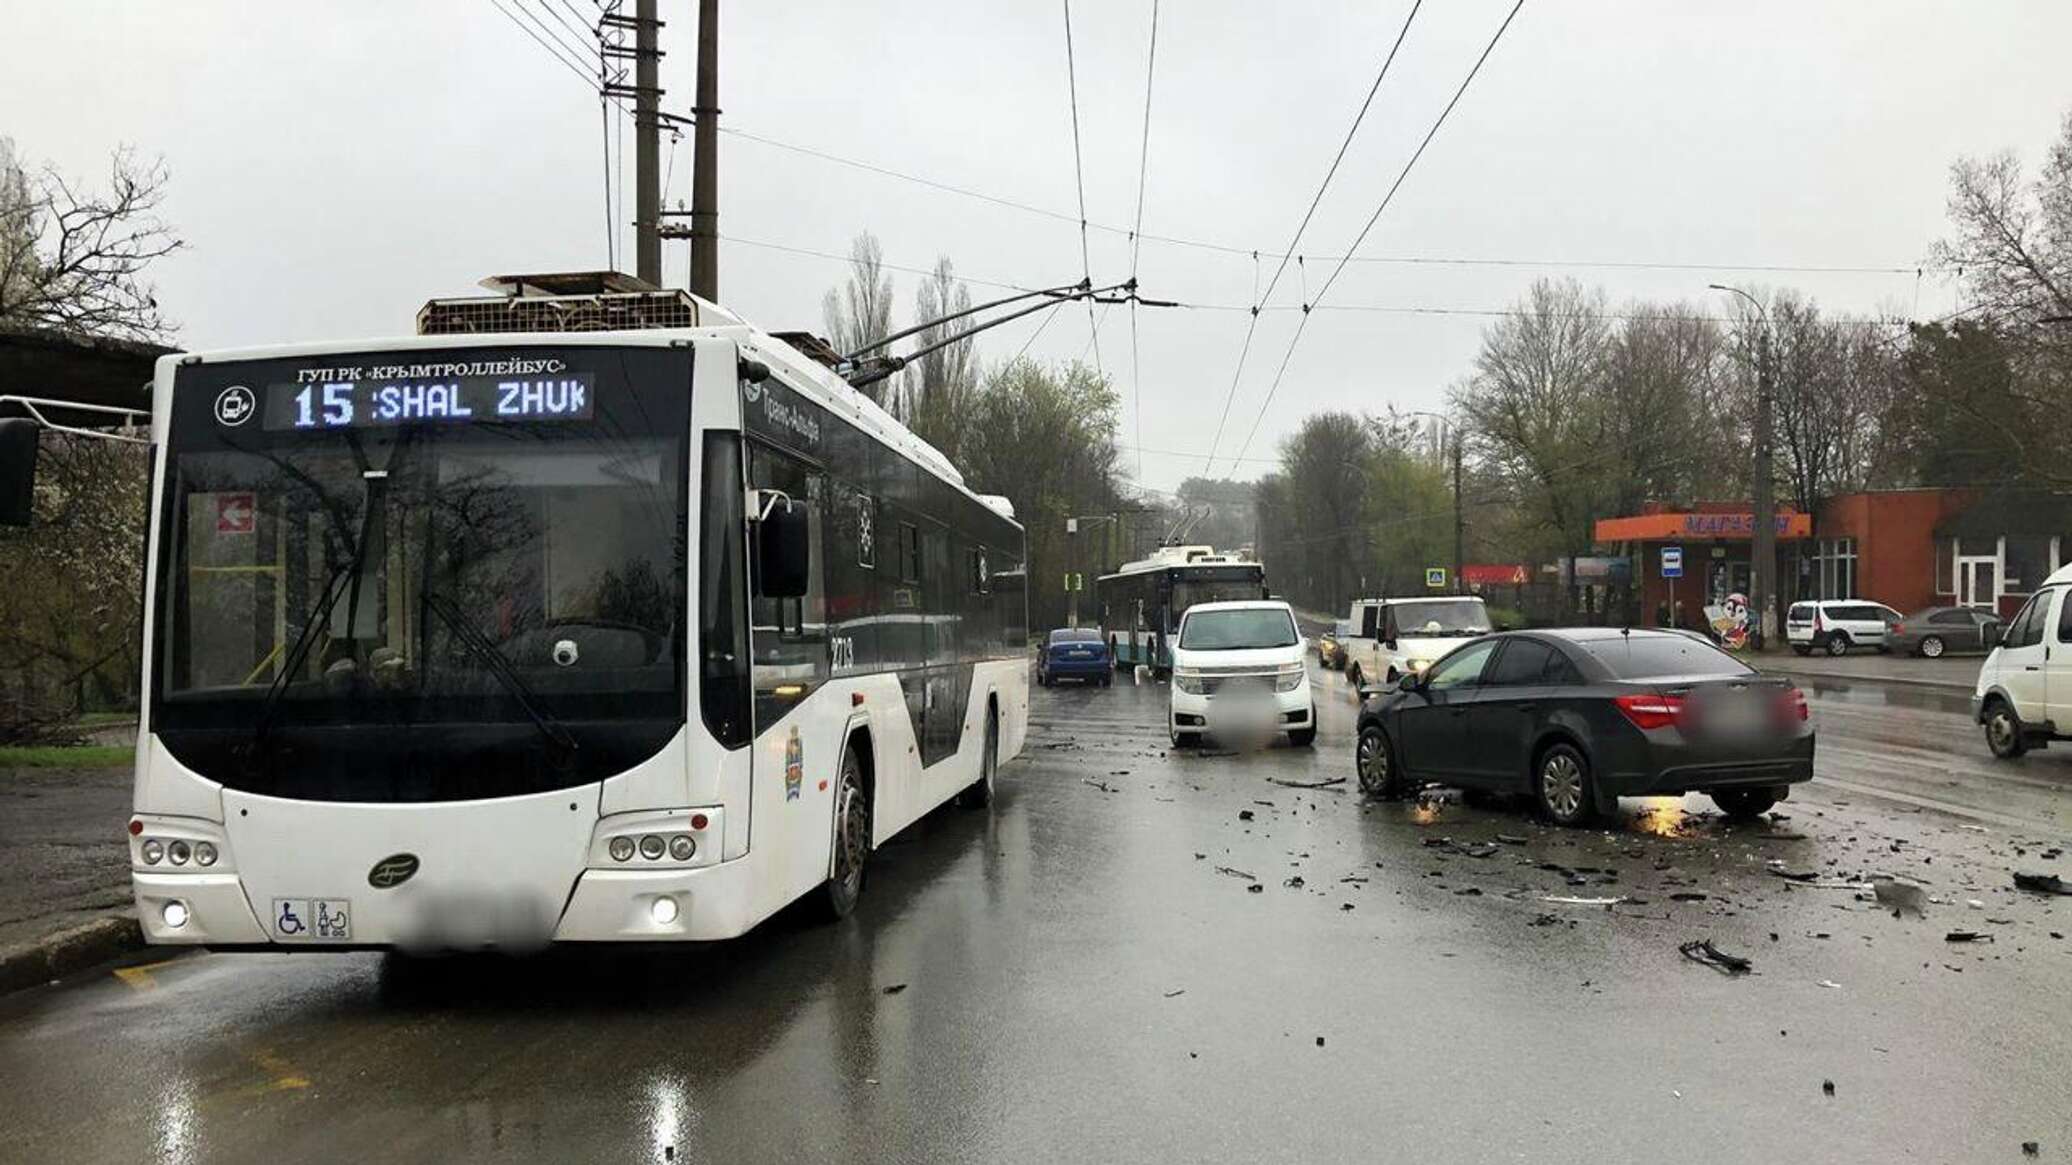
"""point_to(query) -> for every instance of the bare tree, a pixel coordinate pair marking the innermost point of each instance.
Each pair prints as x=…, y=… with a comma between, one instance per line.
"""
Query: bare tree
x=859, y=313
x=940, y=384
x=2014, y=244
x=74, y=259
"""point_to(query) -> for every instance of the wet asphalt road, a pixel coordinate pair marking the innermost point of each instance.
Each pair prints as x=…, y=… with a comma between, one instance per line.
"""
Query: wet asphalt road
x=1085, y=972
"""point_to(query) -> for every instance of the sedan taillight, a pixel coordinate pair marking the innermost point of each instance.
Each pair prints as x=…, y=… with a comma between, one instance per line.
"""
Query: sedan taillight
x=1793, y=705
x=1650, y=711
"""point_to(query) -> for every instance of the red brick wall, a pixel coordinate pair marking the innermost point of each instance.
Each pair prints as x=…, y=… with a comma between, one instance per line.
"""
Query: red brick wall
x=1895, y=541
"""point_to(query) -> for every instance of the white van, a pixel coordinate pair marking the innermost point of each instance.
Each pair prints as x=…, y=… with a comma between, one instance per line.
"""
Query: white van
x=1392, y=638
x=2024, y=692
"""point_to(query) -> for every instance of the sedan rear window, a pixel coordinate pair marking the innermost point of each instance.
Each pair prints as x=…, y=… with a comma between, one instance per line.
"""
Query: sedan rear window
x=1237, y=630
x=1075, y=635
x=1642, y=657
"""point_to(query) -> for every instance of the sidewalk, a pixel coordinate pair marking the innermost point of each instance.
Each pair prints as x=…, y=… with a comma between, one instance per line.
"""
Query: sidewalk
x=64, y=872
x=1952, y=673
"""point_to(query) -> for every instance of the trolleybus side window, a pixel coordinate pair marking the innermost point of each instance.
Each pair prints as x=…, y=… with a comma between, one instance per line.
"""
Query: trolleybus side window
x=722, y=632
x=789, y=635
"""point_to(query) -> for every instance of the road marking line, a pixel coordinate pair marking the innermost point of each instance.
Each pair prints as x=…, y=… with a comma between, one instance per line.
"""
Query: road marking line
x=139, y=977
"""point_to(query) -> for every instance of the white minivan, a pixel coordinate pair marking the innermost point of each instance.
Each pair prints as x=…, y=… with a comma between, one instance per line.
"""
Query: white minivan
x=1392, y=638
x=2024, y=692
x=1239, y=671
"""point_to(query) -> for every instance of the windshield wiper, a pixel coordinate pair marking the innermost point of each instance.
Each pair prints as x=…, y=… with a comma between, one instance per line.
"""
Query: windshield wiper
x=472, y=638
x=334, y=588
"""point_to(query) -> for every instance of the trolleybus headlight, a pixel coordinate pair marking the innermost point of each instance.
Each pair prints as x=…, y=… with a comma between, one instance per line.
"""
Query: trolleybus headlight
x=175, y=915
x=682, y=846
x=651, y=847
x=663, y=911
x=176, y=853
x=204, y=854
x=153, y=850
x=622, y=849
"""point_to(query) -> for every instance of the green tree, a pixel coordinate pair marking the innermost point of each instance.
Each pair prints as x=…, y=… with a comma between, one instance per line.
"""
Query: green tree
x=1044, y=437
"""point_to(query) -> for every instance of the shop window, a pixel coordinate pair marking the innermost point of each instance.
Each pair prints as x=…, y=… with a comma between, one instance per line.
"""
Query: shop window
x=1834, y=568
x=2028, y=563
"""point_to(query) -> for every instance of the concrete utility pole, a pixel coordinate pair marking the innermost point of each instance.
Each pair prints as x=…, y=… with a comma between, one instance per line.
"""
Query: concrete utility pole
x=705, y=165
x=647, y=146
x=1460, y=525
x=1763, y=543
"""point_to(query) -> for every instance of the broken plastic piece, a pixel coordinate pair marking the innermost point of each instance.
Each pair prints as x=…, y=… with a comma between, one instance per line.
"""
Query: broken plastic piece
x=1702, y=951
x=2041, y=884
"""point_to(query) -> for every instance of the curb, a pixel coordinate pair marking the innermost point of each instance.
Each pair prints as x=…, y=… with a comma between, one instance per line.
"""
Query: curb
x=74, y=948
x=1848, y=678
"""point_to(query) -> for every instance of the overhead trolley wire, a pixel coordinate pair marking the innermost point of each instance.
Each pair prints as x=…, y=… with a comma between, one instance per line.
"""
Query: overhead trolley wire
x=1302, y=323
x=1252, y=326
x=1079, y=175
x=1136, y=238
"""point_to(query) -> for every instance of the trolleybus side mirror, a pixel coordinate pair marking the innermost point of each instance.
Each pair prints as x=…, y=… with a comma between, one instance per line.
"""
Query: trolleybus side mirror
x=17, y=470
x=783, y=551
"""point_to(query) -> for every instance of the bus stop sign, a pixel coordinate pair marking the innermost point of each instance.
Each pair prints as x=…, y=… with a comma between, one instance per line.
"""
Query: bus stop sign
x=1672, y=562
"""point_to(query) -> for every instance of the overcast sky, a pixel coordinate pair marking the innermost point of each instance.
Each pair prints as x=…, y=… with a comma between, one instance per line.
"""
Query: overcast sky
x=334, y=165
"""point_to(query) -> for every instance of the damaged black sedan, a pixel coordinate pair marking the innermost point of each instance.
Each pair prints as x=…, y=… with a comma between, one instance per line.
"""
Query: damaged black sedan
x=1577, y=718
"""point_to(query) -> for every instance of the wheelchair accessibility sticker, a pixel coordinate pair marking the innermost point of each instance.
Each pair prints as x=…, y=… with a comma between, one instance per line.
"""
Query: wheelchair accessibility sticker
x=327, y=919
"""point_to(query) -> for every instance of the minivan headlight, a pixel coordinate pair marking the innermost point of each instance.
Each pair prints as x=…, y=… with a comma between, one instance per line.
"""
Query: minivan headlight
x=1289, y=678
x=1189, y=682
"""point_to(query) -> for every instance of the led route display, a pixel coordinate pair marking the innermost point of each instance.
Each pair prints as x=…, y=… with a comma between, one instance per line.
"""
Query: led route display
x=454, y=400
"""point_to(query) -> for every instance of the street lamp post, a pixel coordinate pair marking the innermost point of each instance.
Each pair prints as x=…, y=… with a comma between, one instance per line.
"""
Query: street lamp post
x=1764, y=548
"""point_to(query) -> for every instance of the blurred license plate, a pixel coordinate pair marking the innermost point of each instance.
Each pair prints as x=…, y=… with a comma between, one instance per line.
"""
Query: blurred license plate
x=1738, y=718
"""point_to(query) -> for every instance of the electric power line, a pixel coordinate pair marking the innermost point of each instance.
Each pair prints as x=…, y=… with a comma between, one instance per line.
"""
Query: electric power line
x=1252, y=326
x=1371, y=220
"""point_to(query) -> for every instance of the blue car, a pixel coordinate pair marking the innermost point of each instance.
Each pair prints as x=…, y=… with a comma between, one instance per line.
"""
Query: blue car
x=1075, y=653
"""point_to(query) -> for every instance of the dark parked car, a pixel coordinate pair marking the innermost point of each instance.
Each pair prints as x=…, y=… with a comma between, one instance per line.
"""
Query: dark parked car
x=1938, y=631
x=1580, y=717
x=1331, y=645
x=1074, y=653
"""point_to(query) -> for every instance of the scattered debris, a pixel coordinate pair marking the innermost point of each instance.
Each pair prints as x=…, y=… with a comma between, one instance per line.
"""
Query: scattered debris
x=1967, y=936
x=1237, y=873
x=1307, y=784
x=1101, y=785
x=895, y=989
x=1199, y=857
x=2031, y=1149
x=1829, y=983
x=1571, y=900
x=1483, y=850
x=1256, y=888
x=1975, y=828
x=1545, y=920
x=1688, y=896
x=1974, y=903
x=1293, y=882
x=1320, y=1041
x=1176, y=994
x=1244, y=815
x=1900, y=897
x=1702, y=951
x=1778, y=869
x=2041, y=884
x=1510, y=839
x=1345, y=906
x=1469, y=892
x=1827, y=1087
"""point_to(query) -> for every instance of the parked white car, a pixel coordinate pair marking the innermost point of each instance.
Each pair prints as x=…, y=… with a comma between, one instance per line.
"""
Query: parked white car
x=1392, y=638
x=2024, y=693
x=1836, y=625
x=1240, y=669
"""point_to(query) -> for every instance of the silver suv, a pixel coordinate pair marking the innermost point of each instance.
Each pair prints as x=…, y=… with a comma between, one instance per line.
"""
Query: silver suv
x=1836, y=625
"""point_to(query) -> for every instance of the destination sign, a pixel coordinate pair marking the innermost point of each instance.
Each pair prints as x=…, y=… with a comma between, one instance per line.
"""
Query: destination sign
x=363, y=404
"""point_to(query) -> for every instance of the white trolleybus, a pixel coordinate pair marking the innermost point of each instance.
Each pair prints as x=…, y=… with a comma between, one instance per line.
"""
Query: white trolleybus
x=502, y=638
x=1141, y=603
